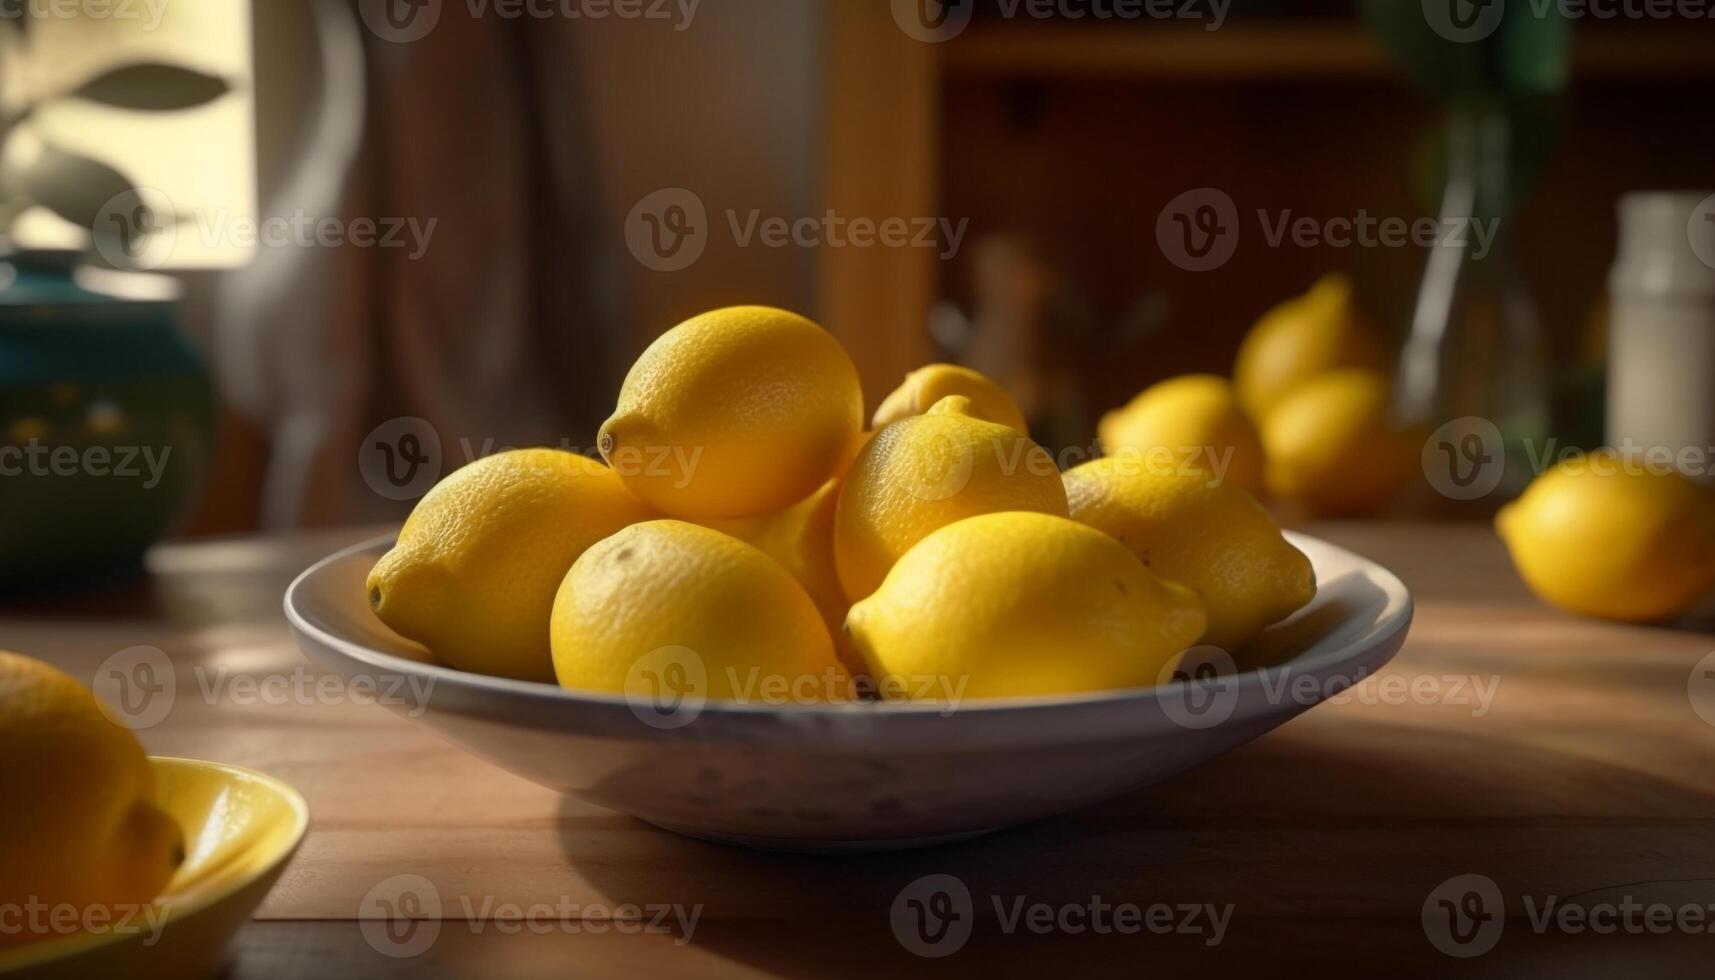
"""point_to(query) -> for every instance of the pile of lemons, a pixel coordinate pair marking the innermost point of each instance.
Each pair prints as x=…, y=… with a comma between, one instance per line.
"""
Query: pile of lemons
x=747, y=520
x=1304, y=418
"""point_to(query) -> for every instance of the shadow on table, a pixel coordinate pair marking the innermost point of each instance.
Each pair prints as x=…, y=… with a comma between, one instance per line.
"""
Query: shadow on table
x=1325, y=855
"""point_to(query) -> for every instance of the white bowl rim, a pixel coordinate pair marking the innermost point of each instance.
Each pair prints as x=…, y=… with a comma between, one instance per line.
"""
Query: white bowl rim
x=1391, y=623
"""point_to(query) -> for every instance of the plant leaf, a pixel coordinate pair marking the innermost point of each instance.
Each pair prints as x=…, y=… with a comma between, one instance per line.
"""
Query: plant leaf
x=74, y=187
x=1535, y=54
x=152, y=87
x=1528, y=51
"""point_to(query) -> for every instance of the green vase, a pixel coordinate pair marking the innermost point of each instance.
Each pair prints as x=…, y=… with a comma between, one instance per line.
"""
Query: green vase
x=106, y=422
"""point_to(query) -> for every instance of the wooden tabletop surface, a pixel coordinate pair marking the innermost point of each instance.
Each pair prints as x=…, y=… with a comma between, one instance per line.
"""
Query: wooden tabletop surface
x=1564, y=760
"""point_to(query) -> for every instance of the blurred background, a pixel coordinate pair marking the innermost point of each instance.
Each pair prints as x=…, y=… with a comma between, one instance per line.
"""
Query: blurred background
x=393, y=234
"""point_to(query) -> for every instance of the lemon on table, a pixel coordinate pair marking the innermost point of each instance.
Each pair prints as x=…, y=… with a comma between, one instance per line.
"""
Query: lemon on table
x=1613, y=537
x=1210, y=536
x=1319, y=331
x=735, y=413
x=1018, y=604
x=672, y=602
x=1331, y=447
x=477, y=564
x=927, y=471
x=927, y=385
x=1191, y=420
x=79, y=826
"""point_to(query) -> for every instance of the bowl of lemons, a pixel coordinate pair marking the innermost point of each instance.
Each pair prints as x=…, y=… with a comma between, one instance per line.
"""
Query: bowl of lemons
x=757, y=619
x=116, y=863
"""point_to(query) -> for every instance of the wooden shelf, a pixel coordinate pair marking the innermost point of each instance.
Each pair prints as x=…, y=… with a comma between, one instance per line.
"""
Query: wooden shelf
x=1335, y=51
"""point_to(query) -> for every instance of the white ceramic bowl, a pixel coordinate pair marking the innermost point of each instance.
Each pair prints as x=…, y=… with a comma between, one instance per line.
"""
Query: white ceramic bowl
x=862, y=775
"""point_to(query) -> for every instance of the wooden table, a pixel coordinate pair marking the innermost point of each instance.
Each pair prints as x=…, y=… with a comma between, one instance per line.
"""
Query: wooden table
x=1583, y=771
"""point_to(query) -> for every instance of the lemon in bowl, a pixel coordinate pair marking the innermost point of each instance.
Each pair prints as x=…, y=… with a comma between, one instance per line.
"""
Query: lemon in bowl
x=121, y=864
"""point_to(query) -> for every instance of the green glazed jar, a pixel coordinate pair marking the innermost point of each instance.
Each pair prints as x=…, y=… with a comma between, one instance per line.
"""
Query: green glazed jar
x=106, y=422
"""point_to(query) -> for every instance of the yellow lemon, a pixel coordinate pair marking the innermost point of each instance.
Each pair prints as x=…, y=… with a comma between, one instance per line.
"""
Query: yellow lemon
x=1018, y=604
x=801, y=539
x=1613, y=537
x=477, y=564
x=927, y=471
x=79, y=826
x=927, y=385
x=667, y=609
x=1193, y=420
x=734, y=413
x=1319, y=331
x=1210, y=536
x=1331, y=448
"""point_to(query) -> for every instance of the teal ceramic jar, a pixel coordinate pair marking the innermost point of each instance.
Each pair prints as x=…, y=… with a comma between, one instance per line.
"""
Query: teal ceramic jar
x=106, y=423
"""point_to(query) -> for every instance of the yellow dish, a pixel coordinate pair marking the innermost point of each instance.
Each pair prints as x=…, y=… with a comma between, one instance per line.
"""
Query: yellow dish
x=241, y=827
